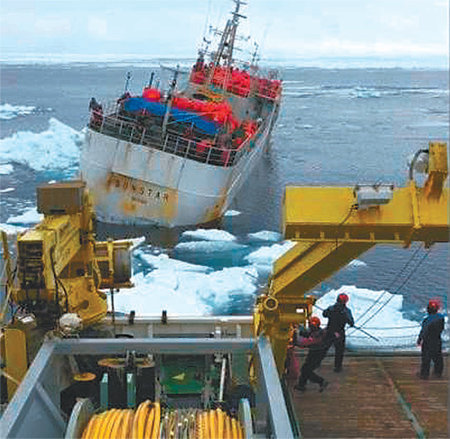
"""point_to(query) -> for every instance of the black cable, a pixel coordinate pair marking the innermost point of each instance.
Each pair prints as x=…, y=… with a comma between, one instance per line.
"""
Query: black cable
x=57, y=280
x=390, y=285
x=347, y=216
x=398, y=289
x=413, y=162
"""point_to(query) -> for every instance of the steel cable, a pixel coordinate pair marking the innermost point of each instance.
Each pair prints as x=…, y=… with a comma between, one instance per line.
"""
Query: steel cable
x=398, y=289
x=383, y=293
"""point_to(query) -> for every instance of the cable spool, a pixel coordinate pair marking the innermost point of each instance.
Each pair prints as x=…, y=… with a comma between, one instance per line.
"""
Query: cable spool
x=148, y=422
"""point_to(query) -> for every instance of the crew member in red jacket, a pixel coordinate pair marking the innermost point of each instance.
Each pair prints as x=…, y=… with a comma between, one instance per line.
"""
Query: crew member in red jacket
x=313, y=338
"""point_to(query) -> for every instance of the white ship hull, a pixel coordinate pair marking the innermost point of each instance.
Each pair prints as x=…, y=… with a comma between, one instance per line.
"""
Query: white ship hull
x=137, y=184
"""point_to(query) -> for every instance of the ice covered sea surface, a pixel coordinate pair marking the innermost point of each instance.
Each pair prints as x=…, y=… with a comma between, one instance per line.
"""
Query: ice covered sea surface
x=336, y=127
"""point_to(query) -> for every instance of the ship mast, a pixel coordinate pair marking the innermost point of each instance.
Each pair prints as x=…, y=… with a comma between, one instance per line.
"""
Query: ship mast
x=226, y=45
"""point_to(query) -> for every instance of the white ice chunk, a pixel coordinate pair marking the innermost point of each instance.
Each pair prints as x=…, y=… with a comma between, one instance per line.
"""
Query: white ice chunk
x=56, y=148
x=356, y=263
x=209, y=246
x=6, y=168
x=30, y=216
x=184, y=292
x=387, y=324
x=12, y=230
x=265, y=235
x=163, y=262
x=232, y=213
x=267, y=255
x=8, y=111
x=209, y=235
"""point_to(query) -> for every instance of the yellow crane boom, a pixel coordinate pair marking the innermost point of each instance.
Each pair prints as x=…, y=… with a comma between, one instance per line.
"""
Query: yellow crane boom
x=334, y=225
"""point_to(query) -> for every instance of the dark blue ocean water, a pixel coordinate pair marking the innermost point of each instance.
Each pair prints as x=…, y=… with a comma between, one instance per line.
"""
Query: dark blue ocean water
x=336, y=127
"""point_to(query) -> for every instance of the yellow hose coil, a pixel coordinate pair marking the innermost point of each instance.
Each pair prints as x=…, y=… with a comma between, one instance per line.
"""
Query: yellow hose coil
x=139, y=420
x=118, y=425
x=220, y=423
x=102, y=419
x=156, y=422
x=212, y=424
x=234, y=433
x=227, y=427
x=148, y=427
x=147, y=422
x=88, y=429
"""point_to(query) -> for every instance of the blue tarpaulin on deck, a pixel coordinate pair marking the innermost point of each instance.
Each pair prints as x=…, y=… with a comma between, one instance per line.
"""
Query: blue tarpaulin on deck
x=137, y=104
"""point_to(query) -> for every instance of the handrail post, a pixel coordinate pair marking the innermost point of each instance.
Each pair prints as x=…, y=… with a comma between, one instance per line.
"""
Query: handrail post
x=187, y=148
x=165, y=142
x=209, y=154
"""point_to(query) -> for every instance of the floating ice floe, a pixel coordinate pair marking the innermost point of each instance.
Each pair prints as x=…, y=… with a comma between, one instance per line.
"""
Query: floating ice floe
x=12, y=230
x=56, y=148
x=208, y=246
x=209, y=235
x=268, y=254
x=29, y=216
x=6, y=169
x=356, y=263
x=232, y=213
x=388, y=325
x=263, y=258
x=265, y=235
x=163, y=262
x=183, y=289
x=8, y=111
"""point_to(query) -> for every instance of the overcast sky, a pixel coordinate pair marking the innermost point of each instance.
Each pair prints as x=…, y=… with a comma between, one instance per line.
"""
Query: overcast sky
x=288, y=29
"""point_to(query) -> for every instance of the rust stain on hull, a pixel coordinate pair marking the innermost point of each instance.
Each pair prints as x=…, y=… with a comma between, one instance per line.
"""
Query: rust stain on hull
x=141, y=198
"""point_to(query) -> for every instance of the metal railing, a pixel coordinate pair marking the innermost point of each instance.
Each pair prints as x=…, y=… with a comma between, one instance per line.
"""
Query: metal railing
x=112, y=123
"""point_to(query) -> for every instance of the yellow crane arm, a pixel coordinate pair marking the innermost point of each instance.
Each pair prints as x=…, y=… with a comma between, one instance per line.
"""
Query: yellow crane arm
x=334, y=225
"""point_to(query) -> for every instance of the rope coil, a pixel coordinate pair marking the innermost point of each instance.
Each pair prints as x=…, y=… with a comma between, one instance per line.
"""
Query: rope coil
x=147, y=422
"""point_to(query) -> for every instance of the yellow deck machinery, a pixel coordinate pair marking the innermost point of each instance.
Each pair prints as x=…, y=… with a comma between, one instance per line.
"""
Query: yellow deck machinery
x=59, y=275
x=204, y=377
x=331, y=226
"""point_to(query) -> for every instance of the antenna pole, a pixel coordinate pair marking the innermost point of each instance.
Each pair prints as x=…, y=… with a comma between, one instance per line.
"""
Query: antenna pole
x=127, y=82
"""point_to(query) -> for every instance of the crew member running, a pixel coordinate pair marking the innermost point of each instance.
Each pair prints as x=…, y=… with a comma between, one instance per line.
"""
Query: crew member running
x=430, y=340
x=338, y=316
x=313, y=339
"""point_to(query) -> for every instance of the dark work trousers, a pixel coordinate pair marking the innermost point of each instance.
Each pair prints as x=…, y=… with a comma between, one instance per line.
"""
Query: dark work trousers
x=339, y=347
x=313, y=360
x=431, y=352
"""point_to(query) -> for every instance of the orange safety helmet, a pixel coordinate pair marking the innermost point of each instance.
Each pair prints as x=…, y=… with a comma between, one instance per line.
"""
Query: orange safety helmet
x=433, y=306
x=342, y=298
x=314, y=322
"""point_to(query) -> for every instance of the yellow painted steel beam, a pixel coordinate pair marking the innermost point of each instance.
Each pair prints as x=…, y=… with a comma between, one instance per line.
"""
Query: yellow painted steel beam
x=15, y=347
x=437, y=170
x=326, y=214
x=330, y=230
x=308, y=263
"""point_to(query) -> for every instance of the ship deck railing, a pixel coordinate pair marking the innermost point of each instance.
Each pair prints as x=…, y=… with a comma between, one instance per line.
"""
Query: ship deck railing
x=112, y=123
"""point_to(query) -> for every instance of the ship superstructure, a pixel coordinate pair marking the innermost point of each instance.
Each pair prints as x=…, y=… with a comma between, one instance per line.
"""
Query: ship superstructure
x=174, y=157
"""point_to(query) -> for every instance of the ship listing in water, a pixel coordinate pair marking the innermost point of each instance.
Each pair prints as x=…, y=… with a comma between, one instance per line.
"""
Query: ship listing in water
x=178, y=157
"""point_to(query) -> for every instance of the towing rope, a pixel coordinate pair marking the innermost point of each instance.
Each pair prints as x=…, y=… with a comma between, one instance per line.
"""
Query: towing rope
x=147, y=422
